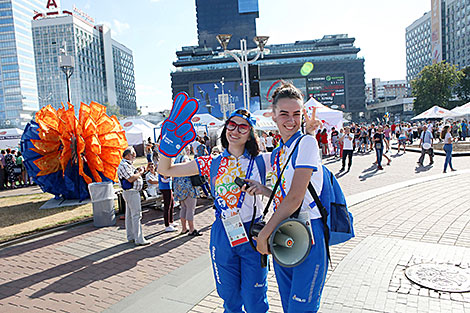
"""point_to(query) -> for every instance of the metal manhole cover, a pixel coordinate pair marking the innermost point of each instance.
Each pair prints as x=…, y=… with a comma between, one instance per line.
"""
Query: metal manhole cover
x=441, y=277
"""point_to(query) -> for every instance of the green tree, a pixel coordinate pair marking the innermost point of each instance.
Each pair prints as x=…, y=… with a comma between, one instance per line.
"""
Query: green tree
x=434, y=86
x=112, y=110
x=463, y=87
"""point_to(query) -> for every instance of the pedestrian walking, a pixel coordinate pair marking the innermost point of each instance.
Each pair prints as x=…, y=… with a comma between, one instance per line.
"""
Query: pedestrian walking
x=335, y=141
x=379, y=146
x=348, y=149
x=426, y=144
x=447, y=137
x=131, y=182
x=402, y=138
x=10, y=163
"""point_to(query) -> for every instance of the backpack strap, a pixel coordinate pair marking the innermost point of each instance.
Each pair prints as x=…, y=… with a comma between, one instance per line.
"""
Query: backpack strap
x=213, y=172
x=324, y=218
x=261, y=168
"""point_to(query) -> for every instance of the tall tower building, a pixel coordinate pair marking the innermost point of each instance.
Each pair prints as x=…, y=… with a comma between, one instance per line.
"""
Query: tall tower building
x=235, y=17
x=103, y=68
x=18, y=90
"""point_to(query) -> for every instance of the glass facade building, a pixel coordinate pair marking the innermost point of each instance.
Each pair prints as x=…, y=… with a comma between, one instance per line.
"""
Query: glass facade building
x=418, y=46
x=337, y=78
x=235, y=17
x=96, y=63
x=124, y=79
x=18, y=90
x=455, y=38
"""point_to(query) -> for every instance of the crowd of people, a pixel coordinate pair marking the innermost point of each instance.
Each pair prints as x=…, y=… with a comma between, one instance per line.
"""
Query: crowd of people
x=13, y=173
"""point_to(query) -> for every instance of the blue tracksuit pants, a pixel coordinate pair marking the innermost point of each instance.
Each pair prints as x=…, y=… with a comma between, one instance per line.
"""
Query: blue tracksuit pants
x=240, y=280
x=300, y=287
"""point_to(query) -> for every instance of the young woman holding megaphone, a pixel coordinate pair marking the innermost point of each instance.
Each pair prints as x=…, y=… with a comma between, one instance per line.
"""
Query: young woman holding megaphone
x=300, y=286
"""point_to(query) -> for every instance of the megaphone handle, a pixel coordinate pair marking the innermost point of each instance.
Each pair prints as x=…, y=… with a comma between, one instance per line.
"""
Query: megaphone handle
x=264, y=260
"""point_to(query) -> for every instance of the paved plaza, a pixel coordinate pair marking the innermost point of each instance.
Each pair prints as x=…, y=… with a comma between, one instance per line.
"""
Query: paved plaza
x=403, y=215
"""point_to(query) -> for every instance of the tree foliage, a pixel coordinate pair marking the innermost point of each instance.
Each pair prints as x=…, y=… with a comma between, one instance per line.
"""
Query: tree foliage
x=434, y=86
x=112, y=110
x=463, y=88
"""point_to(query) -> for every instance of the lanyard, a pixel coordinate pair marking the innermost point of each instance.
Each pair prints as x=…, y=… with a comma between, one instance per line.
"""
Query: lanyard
x=278, y=160
x=221, y=202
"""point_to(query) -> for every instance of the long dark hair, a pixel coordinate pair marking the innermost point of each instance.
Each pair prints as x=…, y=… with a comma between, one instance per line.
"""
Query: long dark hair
x=251, y=145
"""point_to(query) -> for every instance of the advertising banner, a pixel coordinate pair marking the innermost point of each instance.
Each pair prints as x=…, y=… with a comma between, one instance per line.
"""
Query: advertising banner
x=436, y=41
x=328, y=89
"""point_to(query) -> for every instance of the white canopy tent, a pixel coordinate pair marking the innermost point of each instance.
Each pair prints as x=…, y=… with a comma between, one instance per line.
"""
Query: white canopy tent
x=463, y=110
x=206, y=120
x=10, y=138
x=435, y=112
x=264, y=123
x=329, y=117
x=137, y=131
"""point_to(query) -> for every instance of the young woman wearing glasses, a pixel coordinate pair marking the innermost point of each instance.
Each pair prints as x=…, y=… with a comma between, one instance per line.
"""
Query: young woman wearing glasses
x=240, y=279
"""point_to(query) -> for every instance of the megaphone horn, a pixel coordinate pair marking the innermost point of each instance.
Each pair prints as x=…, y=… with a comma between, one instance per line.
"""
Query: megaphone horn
x=290, y=242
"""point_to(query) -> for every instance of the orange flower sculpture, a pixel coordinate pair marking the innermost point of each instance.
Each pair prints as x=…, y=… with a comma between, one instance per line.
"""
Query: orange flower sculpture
x=60, y=145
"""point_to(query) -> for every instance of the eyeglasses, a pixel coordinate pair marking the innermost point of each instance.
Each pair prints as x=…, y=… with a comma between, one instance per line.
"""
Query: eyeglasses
x=242, y=128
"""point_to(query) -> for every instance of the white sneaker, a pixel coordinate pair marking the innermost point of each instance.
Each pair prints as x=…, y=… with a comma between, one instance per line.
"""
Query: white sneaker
x=143, y=243
x=175, y=225
x=170, y=229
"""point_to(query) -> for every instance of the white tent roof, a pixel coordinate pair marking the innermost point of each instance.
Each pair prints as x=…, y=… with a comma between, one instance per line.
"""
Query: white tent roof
x=462, y=110
x=264, y=123
x=435, y=112
x=10, y=138
x=137, y=130
x=329, y=117
x=265, y=113
x=206, y=120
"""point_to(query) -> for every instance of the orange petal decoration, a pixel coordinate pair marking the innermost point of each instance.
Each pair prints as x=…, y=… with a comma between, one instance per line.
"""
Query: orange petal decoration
x=94, y=139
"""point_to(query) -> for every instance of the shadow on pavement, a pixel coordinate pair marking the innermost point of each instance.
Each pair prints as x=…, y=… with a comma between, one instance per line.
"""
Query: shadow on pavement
x=84, y=271
x=421, y=169
x=47, y=241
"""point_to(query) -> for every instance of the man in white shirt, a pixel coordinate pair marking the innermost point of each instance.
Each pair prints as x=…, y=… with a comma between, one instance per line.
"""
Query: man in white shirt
x=347, y=140
x=426, y=146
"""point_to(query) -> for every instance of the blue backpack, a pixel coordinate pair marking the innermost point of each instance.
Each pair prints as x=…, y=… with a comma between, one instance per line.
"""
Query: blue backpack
x=339, y=219
x=216, y=164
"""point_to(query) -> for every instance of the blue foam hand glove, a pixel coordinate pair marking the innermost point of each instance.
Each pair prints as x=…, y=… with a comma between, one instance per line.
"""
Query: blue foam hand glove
x=177, y=130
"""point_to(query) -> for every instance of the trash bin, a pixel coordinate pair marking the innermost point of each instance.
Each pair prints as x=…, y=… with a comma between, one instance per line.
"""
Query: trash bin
x=102, y=199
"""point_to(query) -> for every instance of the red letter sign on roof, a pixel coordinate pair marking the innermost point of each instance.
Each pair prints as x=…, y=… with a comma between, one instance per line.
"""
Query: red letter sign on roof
x=51, y=4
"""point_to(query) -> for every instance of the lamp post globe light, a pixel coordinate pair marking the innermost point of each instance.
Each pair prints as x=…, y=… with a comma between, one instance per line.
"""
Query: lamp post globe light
x=241, y=56
x=66, y=64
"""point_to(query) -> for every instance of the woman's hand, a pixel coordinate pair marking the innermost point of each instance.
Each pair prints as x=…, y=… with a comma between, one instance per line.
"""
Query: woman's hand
x=311, y=123
x=262, y=242
x=255, y=187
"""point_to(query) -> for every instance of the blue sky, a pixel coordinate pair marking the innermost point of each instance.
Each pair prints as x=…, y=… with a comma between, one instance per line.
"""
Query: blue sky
x=155, y=29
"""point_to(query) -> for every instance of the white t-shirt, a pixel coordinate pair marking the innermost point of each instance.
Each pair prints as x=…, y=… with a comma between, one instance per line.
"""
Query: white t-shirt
x=269, y=142
x=152, y=188
x=194, y=145
x=348, y=142
x=231, y=167
x=262, y=142
x=307, y=156
x=448, y=138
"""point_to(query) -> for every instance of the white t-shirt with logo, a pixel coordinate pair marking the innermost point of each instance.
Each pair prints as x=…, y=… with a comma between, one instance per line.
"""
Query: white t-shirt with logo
x=269, y=142
x=308, y=156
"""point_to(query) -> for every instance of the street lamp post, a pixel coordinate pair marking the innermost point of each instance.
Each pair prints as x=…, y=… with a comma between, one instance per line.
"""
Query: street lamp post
x=241, y=56
x=66, y=64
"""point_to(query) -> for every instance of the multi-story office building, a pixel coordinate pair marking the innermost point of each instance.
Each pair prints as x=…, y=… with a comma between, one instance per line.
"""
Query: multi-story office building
x=236, y=17
x=103, y=68
x=455, y=38
x=418, y=46
x=457, y=32
x=18, y=90
x=336, y=80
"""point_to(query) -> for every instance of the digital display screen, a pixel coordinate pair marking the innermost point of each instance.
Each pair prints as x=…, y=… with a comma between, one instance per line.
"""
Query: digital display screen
x=328, y=89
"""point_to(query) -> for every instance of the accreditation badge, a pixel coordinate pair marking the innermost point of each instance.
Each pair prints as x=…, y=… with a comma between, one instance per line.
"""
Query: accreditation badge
x=235, y=231
x=305, y=217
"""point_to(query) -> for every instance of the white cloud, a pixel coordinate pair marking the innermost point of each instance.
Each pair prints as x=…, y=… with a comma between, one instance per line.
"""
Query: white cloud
x=117, y=27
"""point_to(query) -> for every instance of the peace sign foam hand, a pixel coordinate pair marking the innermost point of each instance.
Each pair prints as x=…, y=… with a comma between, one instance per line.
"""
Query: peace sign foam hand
x=177, y=130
